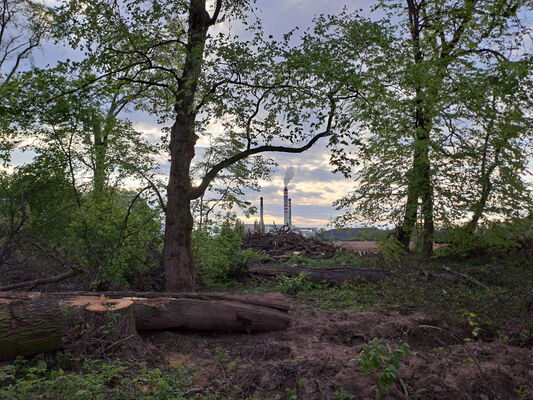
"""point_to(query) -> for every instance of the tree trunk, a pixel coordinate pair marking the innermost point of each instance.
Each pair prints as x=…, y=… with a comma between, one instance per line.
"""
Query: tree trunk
x=28, y=327
x=177, y=255
x=32, y=322
x=405, y=231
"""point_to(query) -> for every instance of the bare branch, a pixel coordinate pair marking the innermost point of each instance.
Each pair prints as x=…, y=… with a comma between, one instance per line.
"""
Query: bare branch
x=211, y=175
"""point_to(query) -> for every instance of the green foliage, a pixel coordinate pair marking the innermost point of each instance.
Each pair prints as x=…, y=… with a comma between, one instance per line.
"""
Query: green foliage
x=218, y=254
x=493, y=236
x=382, y=363
x=118, y=235
x=341, y=394
x=113, y=235
x=54, y=378
x=341, y=258
x=391, y=250
x=293, y=285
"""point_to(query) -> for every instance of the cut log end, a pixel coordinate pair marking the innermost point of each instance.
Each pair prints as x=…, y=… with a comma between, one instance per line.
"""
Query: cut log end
x=104, y=305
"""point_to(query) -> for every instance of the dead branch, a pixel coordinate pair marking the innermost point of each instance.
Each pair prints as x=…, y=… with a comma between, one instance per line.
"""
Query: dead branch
x=28, y=285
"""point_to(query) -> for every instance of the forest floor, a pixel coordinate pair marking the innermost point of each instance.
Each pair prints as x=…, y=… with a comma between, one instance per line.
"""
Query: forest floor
x=466, y=341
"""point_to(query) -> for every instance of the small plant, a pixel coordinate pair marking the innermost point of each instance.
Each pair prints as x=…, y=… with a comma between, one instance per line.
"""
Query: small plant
x=476, y=330
x=341, y=394
x=379, y=361
x=295, y=284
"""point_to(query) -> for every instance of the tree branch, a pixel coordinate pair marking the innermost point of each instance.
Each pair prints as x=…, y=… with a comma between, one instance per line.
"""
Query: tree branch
x=28, y=285
x=211, y=175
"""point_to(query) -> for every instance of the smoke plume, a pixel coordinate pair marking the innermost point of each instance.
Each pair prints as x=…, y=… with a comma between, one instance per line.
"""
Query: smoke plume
x=289, y=173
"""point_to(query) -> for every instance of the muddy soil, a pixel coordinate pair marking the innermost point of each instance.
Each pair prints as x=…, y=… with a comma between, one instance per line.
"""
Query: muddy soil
x=316, y=359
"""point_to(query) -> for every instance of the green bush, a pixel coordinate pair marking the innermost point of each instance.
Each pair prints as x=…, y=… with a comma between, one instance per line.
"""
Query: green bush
x=295, y=284
x=391, y=250
x=113, y=236
x=218, y=254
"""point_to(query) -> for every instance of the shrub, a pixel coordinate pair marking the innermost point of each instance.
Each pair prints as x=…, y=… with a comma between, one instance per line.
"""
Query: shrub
x=218, y=254
x=391, y=250
x=295, y=284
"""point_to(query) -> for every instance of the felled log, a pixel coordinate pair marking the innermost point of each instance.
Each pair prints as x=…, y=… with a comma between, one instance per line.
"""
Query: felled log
x=321, y=274
x=31, y=323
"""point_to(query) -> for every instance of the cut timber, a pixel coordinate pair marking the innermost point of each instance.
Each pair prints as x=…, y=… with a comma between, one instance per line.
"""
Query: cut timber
x=201, y=315
x=32, y=323
x=40, y=322
x=322, y=274
x=29, y=326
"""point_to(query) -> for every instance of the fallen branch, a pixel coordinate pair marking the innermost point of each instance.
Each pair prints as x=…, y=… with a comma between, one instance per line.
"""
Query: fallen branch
x=321, y=274
x=28, y=285
x=467, y=277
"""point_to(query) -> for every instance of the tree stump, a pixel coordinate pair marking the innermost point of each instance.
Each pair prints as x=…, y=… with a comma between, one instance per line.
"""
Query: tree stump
x=103, y=327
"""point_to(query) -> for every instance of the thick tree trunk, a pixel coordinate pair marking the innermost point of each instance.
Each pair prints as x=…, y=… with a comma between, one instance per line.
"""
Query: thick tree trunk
x=427, y=211
x=405, y=231
x=29, y=326
x=177, y=254
x=178, y=257
x=32, y=322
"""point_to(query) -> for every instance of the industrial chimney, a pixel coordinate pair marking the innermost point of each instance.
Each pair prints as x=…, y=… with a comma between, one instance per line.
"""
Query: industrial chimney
x=261, y=219
x=290, y=214
x=285, y=206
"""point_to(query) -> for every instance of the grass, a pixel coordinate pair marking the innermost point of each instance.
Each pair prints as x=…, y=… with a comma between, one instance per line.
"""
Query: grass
x=501, y=309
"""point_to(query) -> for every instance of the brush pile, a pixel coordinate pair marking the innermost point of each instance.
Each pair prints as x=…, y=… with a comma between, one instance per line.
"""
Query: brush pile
x=282, y=242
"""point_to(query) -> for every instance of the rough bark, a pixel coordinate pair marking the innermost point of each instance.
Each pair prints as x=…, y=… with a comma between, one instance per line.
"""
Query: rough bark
x=323, y=274
x=32, y=322
x=177, y=253
x=29, y=327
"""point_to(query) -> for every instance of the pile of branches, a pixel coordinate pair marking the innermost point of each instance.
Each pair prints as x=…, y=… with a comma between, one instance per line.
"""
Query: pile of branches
x=283, y=242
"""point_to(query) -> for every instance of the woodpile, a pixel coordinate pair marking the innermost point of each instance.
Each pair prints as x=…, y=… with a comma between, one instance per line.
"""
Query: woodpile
x=282, y=241
x=32, y=322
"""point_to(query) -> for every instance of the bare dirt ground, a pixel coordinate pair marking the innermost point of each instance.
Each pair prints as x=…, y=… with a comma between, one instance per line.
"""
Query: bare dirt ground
x=316, y=359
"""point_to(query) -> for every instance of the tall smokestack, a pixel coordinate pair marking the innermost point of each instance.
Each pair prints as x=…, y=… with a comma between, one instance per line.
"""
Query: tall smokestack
x=290, y=214
x=261, y=220
x=285, y=206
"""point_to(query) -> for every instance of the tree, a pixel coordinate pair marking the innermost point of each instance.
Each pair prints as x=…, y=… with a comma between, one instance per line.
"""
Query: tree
x=414, y=119
x=23, y=24
x=264, y=93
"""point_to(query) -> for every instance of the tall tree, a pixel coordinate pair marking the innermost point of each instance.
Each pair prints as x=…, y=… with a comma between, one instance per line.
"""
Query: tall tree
x=267, y=94
x=437, y=44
